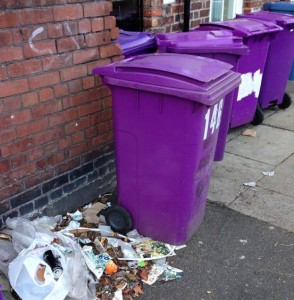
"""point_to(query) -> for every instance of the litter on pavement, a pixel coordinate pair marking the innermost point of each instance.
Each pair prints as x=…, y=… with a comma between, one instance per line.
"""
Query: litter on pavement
x=72, y=256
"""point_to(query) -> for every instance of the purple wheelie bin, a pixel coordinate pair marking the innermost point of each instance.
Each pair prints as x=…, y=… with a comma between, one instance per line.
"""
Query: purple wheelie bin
x=257, y=37
x=279, y=59
x=218, y=44
x=166, y=116
x=135, y=43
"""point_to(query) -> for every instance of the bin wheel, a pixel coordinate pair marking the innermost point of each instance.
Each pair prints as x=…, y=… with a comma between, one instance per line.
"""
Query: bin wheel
x=286, y=101
x=118, y=218
x=258, y=116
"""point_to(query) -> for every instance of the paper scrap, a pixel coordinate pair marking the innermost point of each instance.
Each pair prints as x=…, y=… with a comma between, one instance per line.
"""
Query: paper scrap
x=251, y=184
x=249, y=132
x=269, y=173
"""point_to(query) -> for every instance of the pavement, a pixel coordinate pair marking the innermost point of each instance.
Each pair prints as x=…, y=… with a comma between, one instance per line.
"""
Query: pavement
x=244, y=248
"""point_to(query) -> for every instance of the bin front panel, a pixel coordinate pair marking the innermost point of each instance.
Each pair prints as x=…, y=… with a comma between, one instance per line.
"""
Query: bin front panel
x=164, y=152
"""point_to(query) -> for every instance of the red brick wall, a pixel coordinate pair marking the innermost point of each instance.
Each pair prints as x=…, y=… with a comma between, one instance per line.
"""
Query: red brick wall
x=254, y=5
x=160, y=17
x=55, y=117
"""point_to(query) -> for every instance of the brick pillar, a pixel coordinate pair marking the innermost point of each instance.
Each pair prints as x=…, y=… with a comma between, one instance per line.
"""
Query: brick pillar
x=55, y=117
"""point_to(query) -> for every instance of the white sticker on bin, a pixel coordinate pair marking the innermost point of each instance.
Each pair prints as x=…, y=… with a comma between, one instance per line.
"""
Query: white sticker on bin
x=250, y=83
x=212, y=120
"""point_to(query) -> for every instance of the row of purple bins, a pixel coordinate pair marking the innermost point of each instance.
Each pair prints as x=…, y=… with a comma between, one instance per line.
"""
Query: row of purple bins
x=172, y=111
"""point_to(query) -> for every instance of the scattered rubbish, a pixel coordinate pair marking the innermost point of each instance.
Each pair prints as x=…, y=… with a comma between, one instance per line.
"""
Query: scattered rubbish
x=271, y=227
x=201, y=243
x=79, y=257
x=251, y=184
x=243, y=241
x=208, y=292
x=242, y=257
x=249, y=132
x=270, y=173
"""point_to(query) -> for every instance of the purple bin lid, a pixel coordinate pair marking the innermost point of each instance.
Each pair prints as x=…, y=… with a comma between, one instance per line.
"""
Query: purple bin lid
x=213, y=41
x=278, y=18
x=196, y=78
x=245, y=27
x=132, y=42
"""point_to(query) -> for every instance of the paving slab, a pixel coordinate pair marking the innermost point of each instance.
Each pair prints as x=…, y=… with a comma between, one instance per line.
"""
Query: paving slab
x=230, y=174
x=218, y=266
x=290, y=87
x=279, y=183
x=282, y=119
x=271, y=145
x=287, y=167
x=266, y=205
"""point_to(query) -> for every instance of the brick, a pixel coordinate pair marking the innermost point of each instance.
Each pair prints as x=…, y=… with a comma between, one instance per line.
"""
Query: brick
x=7, y=136
x=3, y=73
x=107, y=102
x=99, y=63
x=18, y=160
x=50, y=161
x=114, y=33
x=67, y=12
x=70, y=43
x=7, y=4
x=25, y=197
x=17, y=147
x=86, y=55
x=16, y=118
x=101, y=8
x=46, y=79
x=31, y=128
x=4, y=206
x=48, y=2
x=41, y=202
x=76, y=99
x=89, y=108
x=46, y=94
x=97, y=24
x=16, y=35
x=46, y=109
x=78, y=137
x=6, y=38
x=64, y=143
x=204, y=13
x=35, y=154
x=4, y=166
x=98, y=140
x=34, y=33
x=55, y=30
x=8, y=54
x=152, y=12
x=81, y=171
x=12, y=103
x=80, y=124
x=50, y=148
x=54, y=183
x=60, y=90
x=8, y=19
x=70, y=28
x=26, y=209
x=73, y=72
x=94, y=39
x=49, y=136
x=91, y=132
x=30, y=99
x=63, y=117
x=36, y=16
x=25, y=68
x=39, y=48
x=56, y=194
x=11, y=190
x=79, y=149
x=75, y=86
x=84, y=26
x=110, y=50
x=13, y=87
x=68, y=165
x=109, y=22
x=88, y=82
x=57, y=61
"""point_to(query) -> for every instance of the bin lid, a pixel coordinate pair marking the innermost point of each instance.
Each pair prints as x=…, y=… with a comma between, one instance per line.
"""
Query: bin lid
x=193, y=42
x=192, y=77
x=245, y=27
x=281, y=6
x=278, y=18
x=132, y=42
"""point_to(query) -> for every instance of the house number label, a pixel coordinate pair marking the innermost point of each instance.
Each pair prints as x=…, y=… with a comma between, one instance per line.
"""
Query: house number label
x=212, y=120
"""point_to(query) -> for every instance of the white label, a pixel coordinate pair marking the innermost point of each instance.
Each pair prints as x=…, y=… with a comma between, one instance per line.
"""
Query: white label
x=250, y=83
x=212, y=120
